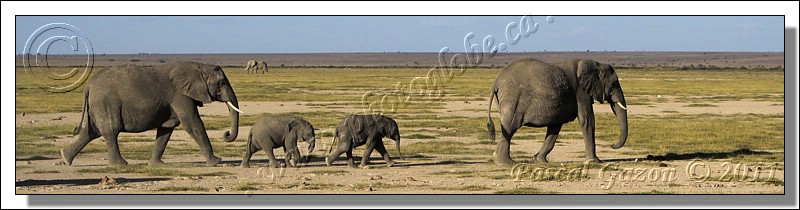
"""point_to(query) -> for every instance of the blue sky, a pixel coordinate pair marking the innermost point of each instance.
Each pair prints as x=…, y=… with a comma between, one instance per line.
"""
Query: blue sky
x=311, y=34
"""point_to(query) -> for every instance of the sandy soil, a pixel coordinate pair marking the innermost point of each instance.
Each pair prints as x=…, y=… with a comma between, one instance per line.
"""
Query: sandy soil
x=423, y=173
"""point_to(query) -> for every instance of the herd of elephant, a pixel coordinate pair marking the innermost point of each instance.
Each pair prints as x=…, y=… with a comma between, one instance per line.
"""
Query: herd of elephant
x=528, y=92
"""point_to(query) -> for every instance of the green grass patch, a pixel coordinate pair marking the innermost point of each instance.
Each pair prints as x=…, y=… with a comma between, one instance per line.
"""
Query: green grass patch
x=377, y=186
x=463, y=188
x=181, y=189
x=247, y=186
x=419, y=136
x=689, y=136
x=40, y=171
x=443, y=147
x=152, y=171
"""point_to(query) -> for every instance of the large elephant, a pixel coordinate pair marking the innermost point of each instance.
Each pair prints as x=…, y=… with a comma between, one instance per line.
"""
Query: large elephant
x=136, y=99
x=274, y=132
x=254, y=66
x=533, y=93
x=357, y=130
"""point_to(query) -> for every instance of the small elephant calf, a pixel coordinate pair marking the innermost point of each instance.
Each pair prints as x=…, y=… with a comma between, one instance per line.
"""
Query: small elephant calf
x=357, y=130
x=274, y=132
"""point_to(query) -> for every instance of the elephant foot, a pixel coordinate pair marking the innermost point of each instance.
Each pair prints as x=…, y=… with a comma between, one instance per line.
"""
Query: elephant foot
x=213, y=161
x=389, y=164
x=363, y=165
x=594, y=160
x=68, y=161
x=117, y=162
x=155, y=162
x=328, y=161
x=503, y=161
x=352, y=165
x=540, y=158
x=245, y=164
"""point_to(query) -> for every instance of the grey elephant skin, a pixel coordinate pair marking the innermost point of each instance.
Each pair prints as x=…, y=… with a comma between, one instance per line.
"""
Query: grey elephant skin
x=136, y=99
x=254, y=66
x=274, y=132
x=357, y=130
x=533, y=93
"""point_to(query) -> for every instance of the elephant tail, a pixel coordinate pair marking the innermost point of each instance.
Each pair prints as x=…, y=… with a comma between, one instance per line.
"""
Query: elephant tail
x=490, y=124
x=84, y=113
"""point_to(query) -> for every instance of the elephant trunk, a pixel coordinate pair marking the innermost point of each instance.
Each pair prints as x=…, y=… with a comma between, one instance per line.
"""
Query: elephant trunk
x=622, y=116
x=233, y=105
x=311, y=144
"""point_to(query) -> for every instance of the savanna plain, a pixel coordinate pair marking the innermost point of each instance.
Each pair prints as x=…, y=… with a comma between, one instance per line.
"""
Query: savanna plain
x=692, y=131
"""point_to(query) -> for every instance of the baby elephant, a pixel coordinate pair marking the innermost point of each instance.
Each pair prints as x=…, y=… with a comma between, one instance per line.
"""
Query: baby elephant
x=357, y=130
x=274, y=132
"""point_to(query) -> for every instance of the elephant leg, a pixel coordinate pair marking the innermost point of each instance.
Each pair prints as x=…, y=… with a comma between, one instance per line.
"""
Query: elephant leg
x=114, y=156
x=368, y=151
x=248, y=154
x=587, y=125
x=549, y=143
x=162, y=137
x=381, y=148
x=271, y=156
x=502, y=153
x=332, y=157
x=296, y=155
x=69, y=153
x=344, y=146
x=290, y=157
x=350, y=158
x=190, y=118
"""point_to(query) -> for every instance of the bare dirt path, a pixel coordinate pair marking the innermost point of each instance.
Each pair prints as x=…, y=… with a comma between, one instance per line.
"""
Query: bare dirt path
x=451, y=109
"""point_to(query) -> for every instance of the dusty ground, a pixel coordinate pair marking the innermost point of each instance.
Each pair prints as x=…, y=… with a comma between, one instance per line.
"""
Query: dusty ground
x=422, y=173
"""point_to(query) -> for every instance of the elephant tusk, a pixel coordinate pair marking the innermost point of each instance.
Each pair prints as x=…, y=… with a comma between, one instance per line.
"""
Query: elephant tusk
x=234, y=107
x=621, y=106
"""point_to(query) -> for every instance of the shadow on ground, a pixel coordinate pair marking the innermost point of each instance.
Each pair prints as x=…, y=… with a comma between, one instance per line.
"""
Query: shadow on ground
x=35, y=182
x=34, y=158
x=696, y=155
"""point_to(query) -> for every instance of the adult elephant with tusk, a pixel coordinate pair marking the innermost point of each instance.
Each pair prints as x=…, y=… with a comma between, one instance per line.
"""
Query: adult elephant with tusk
x=533, y=93
x=135, y=99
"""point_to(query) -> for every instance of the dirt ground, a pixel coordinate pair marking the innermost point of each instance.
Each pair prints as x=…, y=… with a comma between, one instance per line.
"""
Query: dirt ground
x=440, y=174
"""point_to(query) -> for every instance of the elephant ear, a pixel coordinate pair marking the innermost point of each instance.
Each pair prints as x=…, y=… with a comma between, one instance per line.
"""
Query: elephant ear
x=378, y=122
x=609, y=78
x=190, y=81
x=293, y=127
x=589, y=80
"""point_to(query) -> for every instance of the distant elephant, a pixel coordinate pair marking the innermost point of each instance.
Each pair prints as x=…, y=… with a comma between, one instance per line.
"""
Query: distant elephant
x=254, y=66
x=274, y=132
x=357, y=130
x=136, y=99
x=537, y=94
